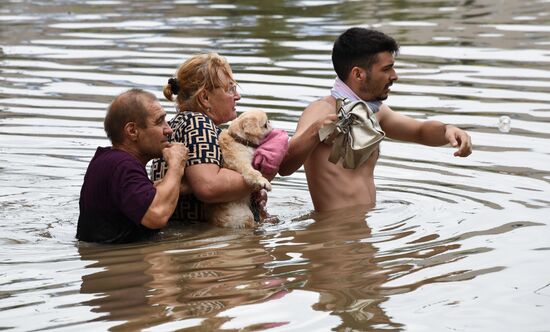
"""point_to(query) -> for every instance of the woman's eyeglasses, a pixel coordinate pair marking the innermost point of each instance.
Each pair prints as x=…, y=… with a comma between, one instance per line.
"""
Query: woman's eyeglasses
x=232, y=90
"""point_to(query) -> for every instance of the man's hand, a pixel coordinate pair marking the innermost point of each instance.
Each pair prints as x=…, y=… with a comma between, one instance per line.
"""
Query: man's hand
x=458, y=138
x=175, y=155
x=168, y=189
x=325, y=121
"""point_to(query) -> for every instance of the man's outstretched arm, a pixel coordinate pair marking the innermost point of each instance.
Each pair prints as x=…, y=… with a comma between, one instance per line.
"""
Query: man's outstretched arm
x=433, y=133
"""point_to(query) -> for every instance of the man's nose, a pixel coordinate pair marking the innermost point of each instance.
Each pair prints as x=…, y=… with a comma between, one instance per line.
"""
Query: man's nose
x=394, y=76
x=167, y=129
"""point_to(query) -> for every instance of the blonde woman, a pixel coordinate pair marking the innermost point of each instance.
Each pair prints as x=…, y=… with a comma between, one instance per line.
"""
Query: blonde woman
x=205, y=97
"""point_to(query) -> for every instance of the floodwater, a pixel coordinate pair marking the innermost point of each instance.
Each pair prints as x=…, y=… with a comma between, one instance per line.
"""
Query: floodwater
x=453, y=244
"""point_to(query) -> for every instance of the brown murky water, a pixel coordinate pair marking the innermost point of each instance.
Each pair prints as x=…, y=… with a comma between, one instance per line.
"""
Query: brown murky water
x=452, y=245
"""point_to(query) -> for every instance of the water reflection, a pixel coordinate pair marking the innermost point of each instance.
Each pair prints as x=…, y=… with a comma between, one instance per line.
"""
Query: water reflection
x=333, y=256
x=178, y=279
x=209, y=277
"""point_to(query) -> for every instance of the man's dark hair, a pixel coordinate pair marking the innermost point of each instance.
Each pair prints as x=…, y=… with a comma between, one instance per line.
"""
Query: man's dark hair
x=358, y=47
x=129, y=106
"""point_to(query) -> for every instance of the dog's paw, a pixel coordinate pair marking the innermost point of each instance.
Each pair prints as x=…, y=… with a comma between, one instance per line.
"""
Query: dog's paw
x=264, y=184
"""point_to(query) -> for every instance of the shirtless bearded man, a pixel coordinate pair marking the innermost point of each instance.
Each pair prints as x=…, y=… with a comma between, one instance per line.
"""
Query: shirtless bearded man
x=364, y=62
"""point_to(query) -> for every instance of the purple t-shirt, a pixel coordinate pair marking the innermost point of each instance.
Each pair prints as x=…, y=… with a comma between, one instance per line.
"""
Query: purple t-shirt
x=115, y=196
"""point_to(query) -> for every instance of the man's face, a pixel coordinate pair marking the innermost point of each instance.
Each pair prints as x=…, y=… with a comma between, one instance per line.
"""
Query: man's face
x=154, y=137
x=380, y=77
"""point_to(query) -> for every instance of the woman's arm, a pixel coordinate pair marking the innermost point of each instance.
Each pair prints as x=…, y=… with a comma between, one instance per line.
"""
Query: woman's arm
x=213, y=184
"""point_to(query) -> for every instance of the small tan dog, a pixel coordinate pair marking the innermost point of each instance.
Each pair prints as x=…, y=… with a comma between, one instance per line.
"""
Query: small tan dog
x=238, y=143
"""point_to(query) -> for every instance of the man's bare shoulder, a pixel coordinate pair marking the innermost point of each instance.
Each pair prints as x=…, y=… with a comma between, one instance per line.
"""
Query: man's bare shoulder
x=320, y=107
x=323, y=105
x=317, y=114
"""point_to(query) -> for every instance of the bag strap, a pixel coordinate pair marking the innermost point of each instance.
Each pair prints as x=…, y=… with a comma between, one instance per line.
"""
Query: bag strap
x=339, y=103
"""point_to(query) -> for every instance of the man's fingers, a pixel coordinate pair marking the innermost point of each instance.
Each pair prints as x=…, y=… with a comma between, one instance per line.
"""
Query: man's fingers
x=453, y=141
x=465, y=148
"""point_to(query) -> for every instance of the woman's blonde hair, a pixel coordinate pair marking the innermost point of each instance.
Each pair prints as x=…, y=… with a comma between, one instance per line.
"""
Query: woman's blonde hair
x=205, y=71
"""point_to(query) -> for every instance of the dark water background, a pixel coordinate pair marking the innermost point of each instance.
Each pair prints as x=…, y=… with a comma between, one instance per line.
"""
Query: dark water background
x=452, y=245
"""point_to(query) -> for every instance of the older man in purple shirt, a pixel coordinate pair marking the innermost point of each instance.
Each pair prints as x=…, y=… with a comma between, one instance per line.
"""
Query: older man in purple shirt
x=118, y=202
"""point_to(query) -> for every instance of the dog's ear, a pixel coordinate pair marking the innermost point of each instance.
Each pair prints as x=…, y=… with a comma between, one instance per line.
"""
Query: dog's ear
x=247, y=124
x=250, y=126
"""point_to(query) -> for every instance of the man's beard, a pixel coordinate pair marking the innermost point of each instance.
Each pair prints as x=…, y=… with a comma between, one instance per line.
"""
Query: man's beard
x=376, y=97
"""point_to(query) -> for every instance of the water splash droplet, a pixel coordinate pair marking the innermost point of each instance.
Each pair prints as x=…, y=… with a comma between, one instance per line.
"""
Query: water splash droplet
x=504, y=124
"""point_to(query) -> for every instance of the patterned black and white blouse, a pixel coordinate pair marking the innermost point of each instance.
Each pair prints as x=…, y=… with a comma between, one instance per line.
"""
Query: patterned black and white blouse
x=200, y=135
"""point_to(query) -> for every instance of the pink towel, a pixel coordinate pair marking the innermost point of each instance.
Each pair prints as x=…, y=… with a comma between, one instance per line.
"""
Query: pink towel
x=269, y=155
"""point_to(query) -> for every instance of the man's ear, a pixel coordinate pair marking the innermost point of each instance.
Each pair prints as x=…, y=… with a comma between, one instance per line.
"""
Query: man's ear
x=358, y=73
x=131, y=131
